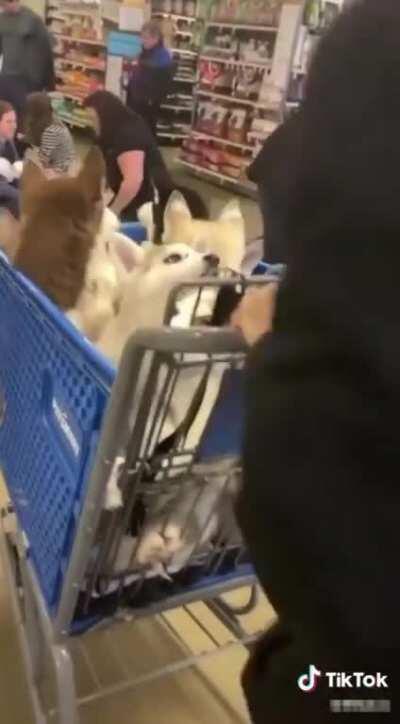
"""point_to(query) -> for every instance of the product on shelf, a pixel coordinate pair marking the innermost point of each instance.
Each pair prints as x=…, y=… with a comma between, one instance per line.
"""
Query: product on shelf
x=221, y=43
x=81, y=26
x=260, y=129
x=234, y=165
x=211, y=119
x=255, y=51
x=237, y=125
x=216, y=76
x=211, y=158
x=248, y=82
x=258, y=12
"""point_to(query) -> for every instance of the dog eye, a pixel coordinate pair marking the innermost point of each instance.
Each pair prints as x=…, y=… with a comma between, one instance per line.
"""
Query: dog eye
x=173, y=259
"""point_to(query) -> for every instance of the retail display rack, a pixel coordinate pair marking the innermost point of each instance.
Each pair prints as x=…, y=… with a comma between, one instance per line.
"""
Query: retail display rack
x=82, y=30
x=79, y=32
x=183, y=31
x=251, y=73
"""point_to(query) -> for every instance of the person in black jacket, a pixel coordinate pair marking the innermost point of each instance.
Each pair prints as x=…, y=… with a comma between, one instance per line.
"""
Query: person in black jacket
x=151, y=75
x=320, y=504
x=26, y=48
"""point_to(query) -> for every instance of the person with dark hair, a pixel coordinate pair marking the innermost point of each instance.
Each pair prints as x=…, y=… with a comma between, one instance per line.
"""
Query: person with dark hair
x=320, y=500
x=135, y=166
x=48, y=134
x=9, y=194
x=26, y=49
x=272, y=172
x=129, y=149
x=151, y=75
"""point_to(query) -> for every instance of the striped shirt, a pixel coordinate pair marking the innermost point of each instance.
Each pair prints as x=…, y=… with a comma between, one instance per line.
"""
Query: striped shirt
x=57, y=150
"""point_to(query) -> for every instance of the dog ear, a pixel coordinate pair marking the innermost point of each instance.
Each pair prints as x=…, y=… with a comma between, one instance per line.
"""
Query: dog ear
x=32, y=179
x=176, y=204
x=92, y=176
x=130, y=254
x=231, y=212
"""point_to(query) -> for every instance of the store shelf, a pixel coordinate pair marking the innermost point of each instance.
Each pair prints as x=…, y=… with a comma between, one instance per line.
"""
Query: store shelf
x=230, y=99
x=238, y=26
x=238, y=63
x=182, y=97
x=70, y=96
x=188, y=18
x=78, y=13
x=183, y=33
x=167, y=134
x=241, y=186
x=181, y=79
x=178, y=109
x=82, y=41
x=181, y=51
x=80, y=64
x=223, y=141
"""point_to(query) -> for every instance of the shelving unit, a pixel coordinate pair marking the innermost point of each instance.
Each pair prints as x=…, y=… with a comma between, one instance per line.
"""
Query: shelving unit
x=248, y=69
x=244, y=187
x=183, y=37
x=236, y=63
x=235, y=108
x=80, y=32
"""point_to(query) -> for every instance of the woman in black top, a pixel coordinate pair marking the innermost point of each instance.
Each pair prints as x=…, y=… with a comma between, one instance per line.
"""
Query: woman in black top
x=134, y=163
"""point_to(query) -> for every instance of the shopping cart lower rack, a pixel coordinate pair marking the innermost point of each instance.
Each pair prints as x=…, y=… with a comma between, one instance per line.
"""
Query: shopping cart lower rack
x=122, y=487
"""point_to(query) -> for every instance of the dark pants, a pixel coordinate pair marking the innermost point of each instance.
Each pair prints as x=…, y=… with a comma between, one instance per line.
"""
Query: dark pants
x=149, y=113
x=15, y=90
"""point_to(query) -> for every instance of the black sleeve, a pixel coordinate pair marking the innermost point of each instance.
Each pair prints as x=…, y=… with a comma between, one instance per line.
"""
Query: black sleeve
x=49, y=80
x=132, y=138
x=319, y=505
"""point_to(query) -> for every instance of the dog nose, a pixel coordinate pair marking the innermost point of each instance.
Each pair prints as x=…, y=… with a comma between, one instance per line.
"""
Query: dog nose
x=212, y=260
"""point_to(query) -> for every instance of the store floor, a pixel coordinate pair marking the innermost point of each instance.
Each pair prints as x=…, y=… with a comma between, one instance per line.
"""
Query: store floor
x=209, y=693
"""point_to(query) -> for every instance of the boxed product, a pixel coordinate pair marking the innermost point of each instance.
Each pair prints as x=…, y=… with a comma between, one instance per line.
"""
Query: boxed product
x=263, y=126
x=248, y=82
x=233, y=164
x=212, y=158
x=215, y=76
x=255, y=50
x=211, y=119
x=237, y=125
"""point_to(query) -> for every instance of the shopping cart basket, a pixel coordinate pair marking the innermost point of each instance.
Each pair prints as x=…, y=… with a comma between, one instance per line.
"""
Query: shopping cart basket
x=166, y=428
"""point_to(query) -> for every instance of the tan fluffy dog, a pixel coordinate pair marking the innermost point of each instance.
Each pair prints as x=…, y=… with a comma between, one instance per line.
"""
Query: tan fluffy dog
x=60, y=222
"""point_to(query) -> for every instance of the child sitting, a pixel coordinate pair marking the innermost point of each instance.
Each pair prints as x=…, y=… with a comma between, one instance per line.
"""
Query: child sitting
x=49, y=137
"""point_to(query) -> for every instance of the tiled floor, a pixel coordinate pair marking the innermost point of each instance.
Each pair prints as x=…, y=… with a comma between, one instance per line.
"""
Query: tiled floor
x=209, y=693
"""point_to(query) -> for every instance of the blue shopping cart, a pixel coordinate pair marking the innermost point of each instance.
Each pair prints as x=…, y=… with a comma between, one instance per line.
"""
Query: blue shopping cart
x=71, y=430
